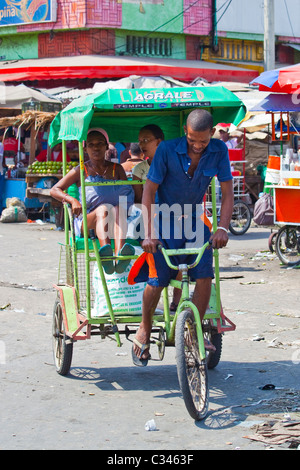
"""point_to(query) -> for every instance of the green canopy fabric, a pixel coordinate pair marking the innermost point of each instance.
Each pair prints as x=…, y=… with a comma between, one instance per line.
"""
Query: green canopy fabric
x=123, y=112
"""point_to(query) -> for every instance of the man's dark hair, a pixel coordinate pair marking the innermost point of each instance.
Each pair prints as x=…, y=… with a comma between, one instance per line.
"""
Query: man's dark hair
x=156, y=131
x=135, y=149
x=200, y=120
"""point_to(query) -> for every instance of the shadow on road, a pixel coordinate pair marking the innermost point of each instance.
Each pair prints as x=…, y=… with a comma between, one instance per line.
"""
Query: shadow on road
x=233, y=397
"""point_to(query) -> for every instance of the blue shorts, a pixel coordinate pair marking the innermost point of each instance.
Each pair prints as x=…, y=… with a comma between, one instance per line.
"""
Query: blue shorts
x=153, y=269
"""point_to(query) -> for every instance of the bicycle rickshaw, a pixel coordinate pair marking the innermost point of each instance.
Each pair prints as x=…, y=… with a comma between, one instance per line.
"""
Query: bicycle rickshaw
x=122, y=113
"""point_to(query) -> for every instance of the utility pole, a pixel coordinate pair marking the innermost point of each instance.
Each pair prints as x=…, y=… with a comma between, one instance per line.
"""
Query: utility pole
x=269, y=35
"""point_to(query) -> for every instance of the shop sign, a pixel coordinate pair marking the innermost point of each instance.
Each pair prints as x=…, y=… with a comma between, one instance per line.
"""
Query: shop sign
x=132, y=99
x=17, y=12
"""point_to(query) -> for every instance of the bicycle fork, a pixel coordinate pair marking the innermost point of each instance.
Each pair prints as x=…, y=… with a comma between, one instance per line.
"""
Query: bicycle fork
x=185, y=303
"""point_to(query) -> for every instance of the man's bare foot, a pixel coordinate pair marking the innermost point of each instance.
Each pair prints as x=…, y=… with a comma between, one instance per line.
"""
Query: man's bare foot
x=142, y=338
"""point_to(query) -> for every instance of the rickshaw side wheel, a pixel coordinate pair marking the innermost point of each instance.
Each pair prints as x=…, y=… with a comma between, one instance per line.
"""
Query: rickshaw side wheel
x=272, y=241
x=191, y=370
x=241, y=218
x=62, y=345
x=213, y=358
x=211, y=334
x=287, y=245
x=161, y=344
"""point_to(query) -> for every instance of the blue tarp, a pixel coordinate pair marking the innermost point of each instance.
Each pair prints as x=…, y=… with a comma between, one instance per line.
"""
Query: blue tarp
x=266, y=78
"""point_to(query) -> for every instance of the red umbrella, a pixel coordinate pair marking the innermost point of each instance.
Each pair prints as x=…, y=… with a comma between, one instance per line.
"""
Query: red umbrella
x=284, y=80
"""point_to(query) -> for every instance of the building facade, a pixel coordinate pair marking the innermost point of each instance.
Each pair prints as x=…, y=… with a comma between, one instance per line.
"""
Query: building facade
x=156, y=28
x=224, y=31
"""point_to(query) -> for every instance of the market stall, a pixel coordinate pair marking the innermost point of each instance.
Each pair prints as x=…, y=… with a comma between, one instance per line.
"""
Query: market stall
x=25, y=114
x=20, y=180
x=283, y=176
x=283, y=110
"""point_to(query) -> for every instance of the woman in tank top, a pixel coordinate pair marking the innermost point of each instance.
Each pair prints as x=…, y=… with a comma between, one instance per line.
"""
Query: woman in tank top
x=105, y=214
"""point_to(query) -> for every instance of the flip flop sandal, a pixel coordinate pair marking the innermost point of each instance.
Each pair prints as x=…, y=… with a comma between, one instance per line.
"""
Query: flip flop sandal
x=106, y=252
x=126, y=250
x=137, y=359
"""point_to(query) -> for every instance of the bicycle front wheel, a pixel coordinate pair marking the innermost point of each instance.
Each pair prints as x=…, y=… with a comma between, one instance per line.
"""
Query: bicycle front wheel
x=287, y=245
x=191, y=370
x=241, y=218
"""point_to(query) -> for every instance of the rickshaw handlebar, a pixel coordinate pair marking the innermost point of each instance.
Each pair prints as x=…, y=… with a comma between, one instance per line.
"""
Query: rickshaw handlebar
x=184, y=251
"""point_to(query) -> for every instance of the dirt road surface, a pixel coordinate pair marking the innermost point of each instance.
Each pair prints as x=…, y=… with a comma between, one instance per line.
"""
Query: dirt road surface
x=105, y=401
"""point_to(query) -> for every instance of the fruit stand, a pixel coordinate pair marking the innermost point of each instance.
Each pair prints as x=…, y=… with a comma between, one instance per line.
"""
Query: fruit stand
x=41, y=176
x=19, y=182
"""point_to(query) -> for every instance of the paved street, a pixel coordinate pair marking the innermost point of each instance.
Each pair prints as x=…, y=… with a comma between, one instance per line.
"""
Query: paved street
x=105, y=401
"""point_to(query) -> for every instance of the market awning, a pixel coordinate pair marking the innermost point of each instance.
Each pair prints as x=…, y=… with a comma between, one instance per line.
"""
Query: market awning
x=281, y=103
x=165, y=107
x=283, y=80
x=96, y=66
x=14, y=96
x=278, y=102
x=38, y=119
x=258, y=114
x=293, y=46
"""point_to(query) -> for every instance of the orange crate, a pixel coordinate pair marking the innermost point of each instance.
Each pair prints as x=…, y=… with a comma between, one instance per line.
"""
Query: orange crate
x=287, y=205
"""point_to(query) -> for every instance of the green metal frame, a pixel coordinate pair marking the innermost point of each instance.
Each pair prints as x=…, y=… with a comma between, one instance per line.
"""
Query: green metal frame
x=166, y=321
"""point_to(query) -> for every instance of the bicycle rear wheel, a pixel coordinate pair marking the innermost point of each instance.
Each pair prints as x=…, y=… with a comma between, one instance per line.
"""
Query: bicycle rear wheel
x=287, y=245
x=241, y=218
x=191, y=370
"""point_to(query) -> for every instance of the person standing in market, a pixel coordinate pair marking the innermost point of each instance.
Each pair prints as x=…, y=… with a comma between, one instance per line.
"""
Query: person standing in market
x=56, y=155
x=231, y=142
x=11, y=145
x=136, y=156
x=180, y=174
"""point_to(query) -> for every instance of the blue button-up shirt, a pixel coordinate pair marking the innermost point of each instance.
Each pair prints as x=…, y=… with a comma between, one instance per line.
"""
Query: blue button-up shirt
x=169, y=169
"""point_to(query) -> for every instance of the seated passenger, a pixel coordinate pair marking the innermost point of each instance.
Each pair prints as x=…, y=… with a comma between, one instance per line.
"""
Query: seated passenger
x=150, y=136
x=102, y=202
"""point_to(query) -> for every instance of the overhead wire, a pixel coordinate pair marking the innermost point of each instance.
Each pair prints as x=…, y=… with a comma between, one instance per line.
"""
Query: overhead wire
x=288, y=15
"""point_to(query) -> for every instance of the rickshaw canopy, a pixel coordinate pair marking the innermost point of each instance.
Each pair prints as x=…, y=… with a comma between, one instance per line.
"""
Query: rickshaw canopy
x=123, y=112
